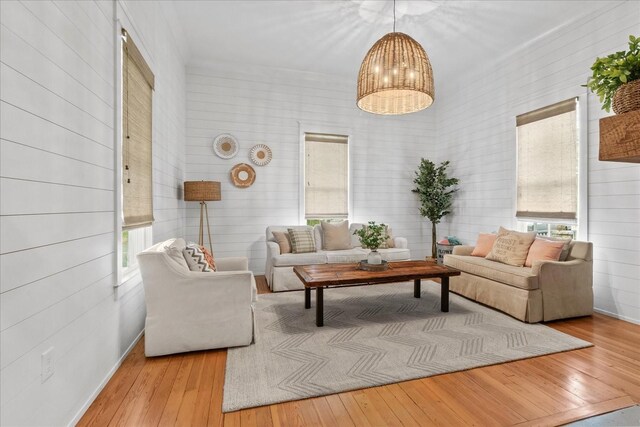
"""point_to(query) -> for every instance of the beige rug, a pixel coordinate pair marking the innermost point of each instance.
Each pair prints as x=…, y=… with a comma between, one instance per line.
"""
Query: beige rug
x=373, y=335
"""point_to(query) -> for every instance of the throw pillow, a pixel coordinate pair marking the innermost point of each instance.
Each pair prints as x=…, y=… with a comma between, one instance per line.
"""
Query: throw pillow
x=209, y=257
x=176, y=255
x=195, y=258
x=543, y=250
x=282, y=238
x=511, y=247
x=302, y=241
x=484, y=244
x=390, y=242
x=335, y=236
x=565, y=249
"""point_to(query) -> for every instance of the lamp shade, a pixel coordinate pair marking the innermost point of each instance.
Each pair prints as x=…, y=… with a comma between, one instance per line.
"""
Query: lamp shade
x=395, y=77
x=202, y=191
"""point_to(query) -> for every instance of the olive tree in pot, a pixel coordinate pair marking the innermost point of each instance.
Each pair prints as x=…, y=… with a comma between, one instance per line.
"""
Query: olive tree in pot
x=435, y=190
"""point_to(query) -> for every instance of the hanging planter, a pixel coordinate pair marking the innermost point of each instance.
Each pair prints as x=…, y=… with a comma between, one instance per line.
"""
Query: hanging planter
x=615, y=79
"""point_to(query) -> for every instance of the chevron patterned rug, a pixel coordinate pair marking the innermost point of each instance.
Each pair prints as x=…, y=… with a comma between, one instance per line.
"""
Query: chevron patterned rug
x=373, y=335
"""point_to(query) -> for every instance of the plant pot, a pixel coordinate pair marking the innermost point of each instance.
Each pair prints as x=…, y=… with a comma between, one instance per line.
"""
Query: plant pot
x=627, y=97
x=374, y=257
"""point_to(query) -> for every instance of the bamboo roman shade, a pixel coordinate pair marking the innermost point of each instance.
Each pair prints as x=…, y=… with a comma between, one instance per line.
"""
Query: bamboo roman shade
x=137, y=185
x=326, y=176
x=548, y=162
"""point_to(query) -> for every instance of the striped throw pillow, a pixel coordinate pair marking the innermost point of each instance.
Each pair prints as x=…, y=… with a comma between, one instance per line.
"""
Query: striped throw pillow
x=302, y=241
x=196, y=258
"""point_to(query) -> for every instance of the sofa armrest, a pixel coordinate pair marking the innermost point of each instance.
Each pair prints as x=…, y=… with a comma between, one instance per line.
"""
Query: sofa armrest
x=567, y=288
x=272, y=249
x=462, y=250
x=232, y=264
x=400, y=242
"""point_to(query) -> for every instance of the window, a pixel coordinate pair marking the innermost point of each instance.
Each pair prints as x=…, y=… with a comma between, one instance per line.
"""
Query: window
x=326, y=177
x=547, y=169
x=136, y=182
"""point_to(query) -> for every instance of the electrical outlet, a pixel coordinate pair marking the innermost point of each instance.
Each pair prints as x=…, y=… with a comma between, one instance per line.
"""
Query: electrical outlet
x=47, y=366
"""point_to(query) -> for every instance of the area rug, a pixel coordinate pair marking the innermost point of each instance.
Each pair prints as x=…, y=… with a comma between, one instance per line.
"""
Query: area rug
x=373, y=335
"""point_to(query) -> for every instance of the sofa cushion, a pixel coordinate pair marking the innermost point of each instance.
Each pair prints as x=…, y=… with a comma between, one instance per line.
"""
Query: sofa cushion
x=196, y=258
x=520, y=277
x=511, y=247
x=335, y=236
x=299, y=259
x=395, y=254
x=302, y=241
x=543, y=250
x=346, y=256
x=484, y=244
x=282, y=239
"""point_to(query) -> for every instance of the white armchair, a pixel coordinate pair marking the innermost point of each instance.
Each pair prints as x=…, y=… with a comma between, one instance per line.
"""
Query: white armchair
x=187, y=310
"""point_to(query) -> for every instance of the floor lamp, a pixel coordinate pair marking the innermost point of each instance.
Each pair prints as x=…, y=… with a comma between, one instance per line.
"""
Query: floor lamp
x=203, y=192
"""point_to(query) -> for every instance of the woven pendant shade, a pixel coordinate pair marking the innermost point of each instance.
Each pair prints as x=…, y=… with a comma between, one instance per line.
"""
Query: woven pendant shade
x=202, y=191
x=395, y=77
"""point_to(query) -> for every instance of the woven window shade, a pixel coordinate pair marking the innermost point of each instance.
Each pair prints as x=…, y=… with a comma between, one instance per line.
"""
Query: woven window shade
x=548, y=162
x=395, y=77
x=137, y=185
x=326, y=176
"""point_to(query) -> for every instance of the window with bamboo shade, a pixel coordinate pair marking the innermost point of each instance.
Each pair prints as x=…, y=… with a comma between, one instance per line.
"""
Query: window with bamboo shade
x=137, y=96
x=326, y=175
x=547, y=181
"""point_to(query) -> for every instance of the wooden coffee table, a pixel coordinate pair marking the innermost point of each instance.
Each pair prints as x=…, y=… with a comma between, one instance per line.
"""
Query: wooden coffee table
x=339, y=275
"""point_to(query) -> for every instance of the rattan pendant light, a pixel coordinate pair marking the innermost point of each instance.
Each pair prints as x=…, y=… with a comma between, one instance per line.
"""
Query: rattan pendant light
x=395, y=76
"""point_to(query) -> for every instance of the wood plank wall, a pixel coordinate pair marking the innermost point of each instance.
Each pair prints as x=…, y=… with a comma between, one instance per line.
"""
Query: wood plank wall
x=476, y=131
x=57, y=259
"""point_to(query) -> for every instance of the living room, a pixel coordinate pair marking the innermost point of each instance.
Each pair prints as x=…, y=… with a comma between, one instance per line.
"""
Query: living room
x=268, y=73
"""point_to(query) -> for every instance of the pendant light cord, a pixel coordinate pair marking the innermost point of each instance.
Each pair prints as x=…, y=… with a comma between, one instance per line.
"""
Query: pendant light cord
x=394, y=16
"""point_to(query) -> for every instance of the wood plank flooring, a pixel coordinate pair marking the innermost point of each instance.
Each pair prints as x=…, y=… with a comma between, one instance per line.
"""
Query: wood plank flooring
x=186, y=389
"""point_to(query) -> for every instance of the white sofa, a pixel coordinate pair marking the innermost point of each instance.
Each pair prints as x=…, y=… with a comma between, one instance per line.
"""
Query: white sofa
x=188, y=310
x=279, y=267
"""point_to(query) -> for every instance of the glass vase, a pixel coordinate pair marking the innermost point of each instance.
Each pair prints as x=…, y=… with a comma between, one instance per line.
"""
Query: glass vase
x=374, y=257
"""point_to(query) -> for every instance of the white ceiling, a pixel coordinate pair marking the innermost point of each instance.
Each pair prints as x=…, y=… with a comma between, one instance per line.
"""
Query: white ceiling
x=332, y=37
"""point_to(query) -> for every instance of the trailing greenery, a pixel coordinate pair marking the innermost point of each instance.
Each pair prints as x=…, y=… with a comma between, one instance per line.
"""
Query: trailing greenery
x=612, y=71
x=372, y=235
x=435, y=190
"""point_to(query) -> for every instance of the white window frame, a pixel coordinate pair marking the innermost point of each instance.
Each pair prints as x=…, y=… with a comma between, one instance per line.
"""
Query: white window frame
x=582, y=221
x=308, y=127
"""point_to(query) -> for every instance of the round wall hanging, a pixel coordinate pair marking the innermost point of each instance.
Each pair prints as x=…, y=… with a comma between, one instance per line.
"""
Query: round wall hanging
x=225, y=146
x=260, y=154
x=243, y=175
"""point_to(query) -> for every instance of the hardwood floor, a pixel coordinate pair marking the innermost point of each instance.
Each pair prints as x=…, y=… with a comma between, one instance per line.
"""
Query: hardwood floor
x=186, y=389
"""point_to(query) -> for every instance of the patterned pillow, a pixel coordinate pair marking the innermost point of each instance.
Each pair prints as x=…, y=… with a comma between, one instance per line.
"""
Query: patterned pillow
x=511, y=247
x=209, y=257
x=195, y=258
x=302, y=241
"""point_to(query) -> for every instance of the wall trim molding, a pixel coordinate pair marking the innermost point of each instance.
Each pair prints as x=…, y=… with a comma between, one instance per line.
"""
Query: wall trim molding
x=617, y=316
x=76, y=418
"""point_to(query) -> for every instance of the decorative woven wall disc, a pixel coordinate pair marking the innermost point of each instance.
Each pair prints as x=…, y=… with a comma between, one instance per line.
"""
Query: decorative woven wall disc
x=243, y=175
x=260, y=154
x=225, y=146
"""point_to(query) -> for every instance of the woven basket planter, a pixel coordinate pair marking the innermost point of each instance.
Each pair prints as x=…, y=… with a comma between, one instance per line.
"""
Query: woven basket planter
x=627, y=98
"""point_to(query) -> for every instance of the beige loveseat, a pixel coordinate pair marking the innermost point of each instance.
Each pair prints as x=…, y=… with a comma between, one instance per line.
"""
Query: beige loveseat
x=279, y=267
x=548, y=290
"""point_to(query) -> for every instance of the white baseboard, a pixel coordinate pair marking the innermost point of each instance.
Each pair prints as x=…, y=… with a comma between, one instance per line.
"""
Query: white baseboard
x=617, y=316
x=104, y=382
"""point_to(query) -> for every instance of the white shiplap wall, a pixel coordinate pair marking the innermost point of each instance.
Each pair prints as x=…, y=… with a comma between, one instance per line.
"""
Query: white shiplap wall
x=57, y=239
x=476, y=131
x=270, y=106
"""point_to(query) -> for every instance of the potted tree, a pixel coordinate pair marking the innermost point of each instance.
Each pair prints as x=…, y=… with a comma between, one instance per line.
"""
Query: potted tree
x=435, y=190
x=616, y=79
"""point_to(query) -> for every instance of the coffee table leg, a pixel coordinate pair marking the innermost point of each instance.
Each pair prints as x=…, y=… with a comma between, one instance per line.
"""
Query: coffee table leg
x=416, y=288
x=444, y=294
x=319, y=307
x=307, y=297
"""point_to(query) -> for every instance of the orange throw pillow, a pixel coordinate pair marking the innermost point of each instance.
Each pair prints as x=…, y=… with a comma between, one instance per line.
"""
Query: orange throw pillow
x=208, y=256
x=543, y=250
x=484, y=244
